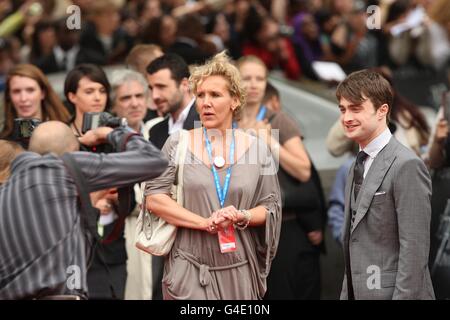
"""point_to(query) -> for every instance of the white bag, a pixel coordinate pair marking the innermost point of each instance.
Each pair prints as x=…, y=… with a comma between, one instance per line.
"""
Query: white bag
x=153, y=234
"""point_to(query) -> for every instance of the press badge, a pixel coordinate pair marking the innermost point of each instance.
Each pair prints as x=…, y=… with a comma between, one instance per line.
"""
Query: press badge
x=227, y=239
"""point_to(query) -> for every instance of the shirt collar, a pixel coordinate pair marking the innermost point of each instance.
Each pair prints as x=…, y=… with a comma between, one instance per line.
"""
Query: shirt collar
x=377, y=144
x=60, y=53
x=183, y=115
x=188, y=41
x=21, y=159
x=142, y=128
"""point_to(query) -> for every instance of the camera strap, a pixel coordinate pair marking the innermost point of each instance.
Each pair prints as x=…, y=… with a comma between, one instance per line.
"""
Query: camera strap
x=125, y=197
x=89, y=216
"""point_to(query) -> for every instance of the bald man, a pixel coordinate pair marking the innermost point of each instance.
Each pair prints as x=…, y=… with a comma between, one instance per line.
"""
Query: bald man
x=44, y=250
x=53, y=136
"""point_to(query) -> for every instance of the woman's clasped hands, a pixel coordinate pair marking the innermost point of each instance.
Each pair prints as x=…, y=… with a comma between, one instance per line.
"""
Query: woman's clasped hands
x=222, y=218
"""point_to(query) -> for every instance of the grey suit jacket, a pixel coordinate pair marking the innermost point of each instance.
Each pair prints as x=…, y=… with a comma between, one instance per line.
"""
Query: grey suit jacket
x=386, y=252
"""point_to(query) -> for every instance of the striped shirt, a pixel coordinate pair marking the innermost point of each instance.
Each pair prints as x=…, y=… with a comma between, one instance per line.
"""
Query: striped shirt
x=42, y=247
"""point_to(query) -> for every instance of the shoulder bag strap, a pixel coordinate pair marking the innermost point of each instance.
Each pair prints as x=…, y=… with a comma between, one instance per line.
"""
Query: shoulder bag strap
x=89, y=214
x=180, y=158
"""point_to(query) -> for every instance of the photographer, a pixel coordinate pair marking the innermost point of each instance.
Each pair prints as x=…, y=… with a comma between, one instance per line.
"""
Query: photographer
x=87, y=89
x=41, y=223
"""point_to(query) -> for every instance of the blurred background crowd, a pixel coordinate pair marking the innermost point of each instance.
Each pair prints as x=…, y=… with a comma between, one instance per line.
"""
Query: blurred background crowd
x=287, y=34
x=408, y=41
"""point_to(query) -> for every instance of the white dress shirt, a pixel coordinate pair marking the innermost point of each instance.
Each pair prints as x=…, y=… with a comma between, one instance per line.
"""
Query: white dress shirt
x=70, y=56
x=178, y=125
x=374, y=147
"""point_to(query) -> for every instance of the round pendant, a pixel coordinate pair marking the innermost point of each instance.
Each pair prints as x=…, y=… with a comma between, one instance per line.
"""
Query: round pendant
x=219, y=162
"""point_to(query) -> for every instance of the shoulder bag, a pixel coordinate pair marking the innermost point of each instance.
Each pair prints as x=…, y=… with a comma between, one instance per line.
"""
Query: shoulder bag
x=153, y=234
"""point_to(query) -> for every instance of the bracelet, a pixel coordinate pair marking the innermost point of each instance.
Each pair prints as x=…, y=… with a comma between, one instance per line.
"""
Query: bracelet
x=247, y=217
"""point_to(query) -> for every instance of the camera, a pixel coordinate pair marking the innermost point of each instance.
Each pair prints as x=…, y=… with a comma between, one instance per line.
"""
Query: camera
x=286, y=31
x=93, y=120
x=23, y=129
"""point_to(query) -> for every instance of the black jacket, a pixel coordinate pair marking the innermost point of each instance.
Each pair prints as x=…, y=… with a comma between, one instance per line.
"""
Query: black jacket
x=48, y=64
x=160, y=131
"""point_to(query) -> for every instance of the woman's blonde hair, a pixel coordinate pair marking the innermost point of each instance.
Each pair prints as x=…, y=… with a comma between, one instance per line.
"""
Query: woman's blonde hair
x=8, y=152
x=439, y=11
x=251, y=59
x=221, y=65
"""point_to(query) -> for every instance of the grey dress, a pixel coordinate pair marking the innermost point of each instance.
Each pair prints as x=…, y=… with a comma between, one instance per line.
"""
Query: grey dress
x=195, y=268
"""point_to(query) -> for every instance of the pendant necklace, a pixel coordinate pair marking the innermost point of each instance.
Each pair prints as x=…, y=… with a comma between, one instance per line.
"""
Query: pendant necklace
x=219, y=161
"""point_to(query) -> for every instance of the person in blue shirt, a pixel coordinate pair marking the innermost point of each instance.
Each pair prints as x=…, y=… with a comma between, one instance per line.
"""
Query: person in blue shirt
x=336, y=201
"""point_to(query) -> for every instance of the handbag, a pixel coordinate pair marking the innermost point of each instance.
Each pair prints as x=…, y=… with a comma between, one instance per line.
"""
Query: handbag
x=154, y=235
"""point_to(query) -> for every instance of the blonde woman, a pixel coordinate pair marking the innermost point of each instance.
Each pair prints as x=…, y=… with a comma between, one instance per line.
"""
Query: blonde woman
x=229, y=224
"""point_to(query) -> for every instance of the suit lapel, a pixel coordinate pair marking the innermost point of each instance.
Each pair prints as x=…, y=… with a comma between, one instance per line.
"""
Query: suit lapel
x=191, y=118
x=347, y=205
x=159, y=133
x=373, y=180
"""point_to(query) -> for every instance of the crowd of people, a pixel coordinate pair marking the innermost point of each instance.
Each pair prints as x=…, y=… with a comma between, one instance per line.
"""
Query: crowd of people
x=246, y=229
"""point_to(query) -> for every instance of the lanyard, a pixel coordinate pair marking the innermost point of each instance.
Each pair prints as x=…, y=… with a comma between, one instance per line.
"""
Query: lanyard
x=259, y=117
x=261, y=113
x=221, y=193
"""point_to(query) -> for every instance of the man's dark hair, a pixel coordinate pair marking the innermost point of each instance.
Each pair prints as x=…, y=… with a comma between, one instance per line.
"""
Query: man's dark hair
x=270, y=92
x=90, y=71
x=366, y=84
x=177, y=66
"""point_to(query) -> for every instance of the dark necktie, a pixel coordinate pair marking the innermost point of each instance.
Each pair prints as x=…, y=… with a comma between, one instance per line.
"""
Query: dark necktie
x=64, y=62
x=358, y=178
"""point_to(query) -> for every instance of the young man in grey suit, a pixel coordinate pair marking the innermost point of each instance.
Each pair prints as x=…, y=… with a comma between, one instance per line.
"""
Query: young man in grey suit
x=386, y=233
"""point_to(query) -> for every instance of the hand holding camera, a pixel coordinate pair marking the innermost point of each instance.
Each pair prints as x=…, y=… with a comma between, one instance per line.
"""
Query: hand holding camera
x=94, y=130
x=92, y=120
x=95, y=137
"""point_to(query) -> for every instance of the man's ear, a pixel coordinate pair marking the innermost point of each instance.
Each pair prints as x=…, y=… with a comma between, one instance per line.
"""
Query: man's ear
x=383, y=110
x=185, y=84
